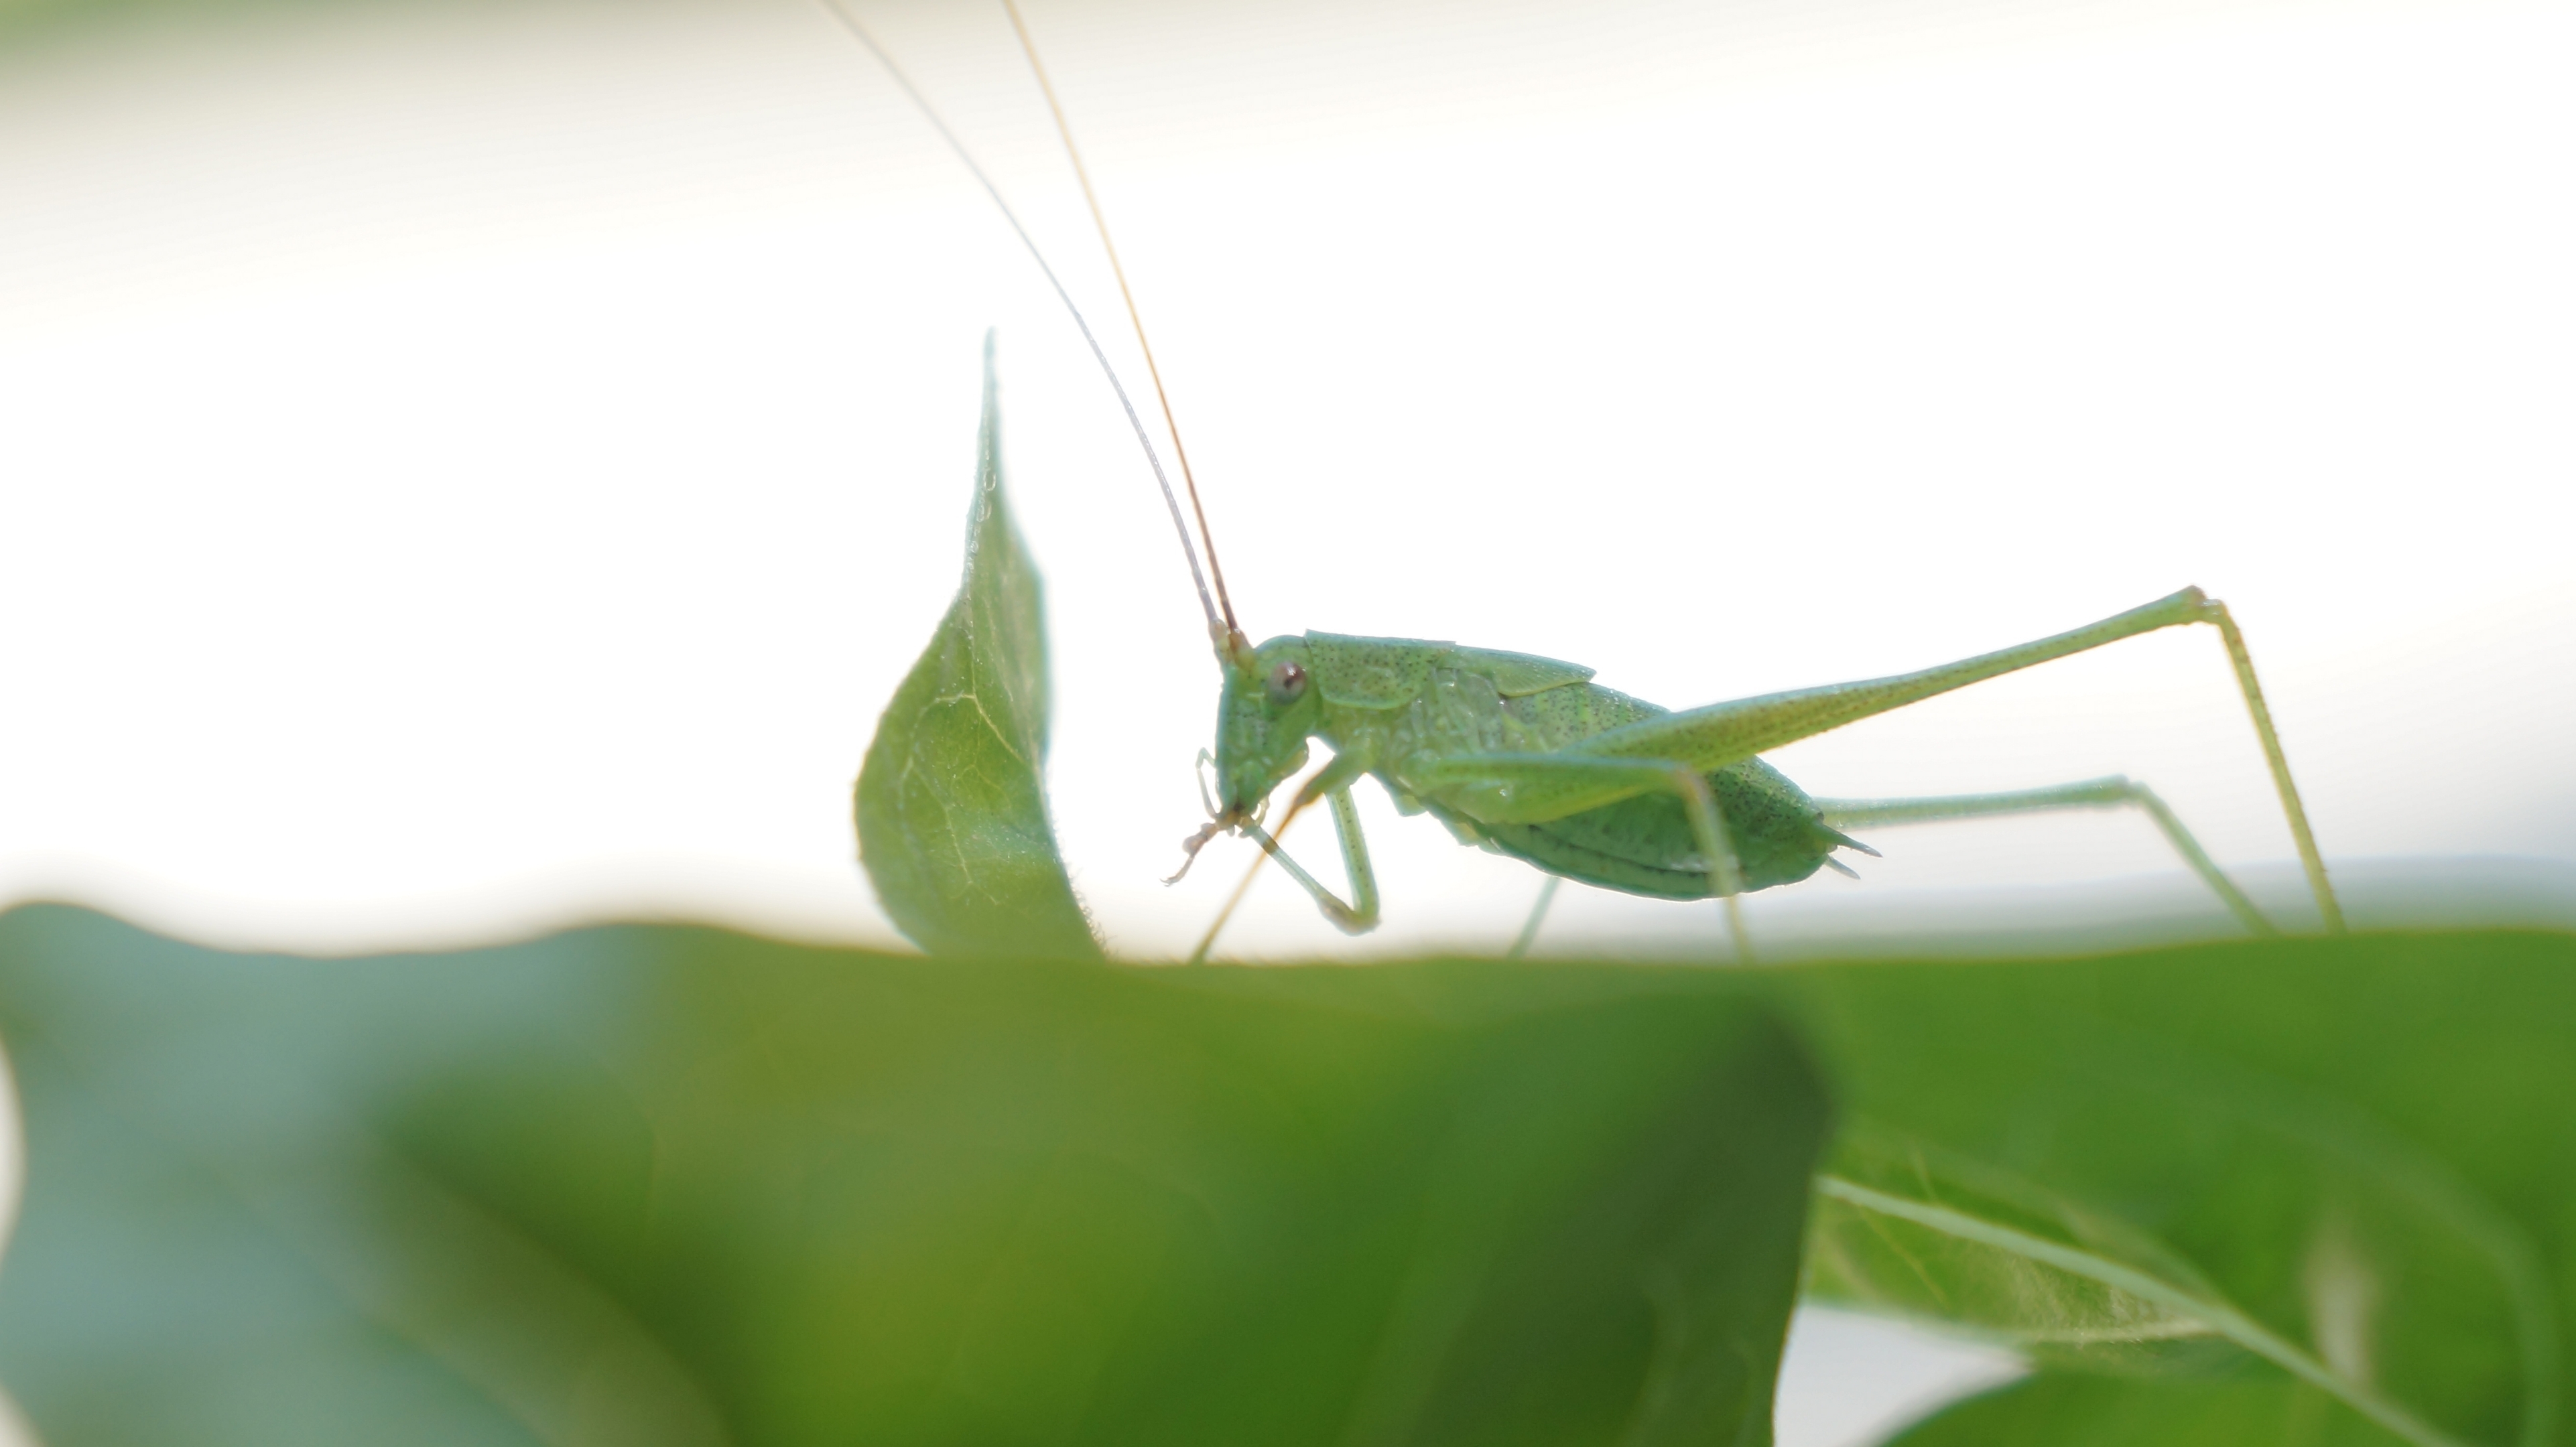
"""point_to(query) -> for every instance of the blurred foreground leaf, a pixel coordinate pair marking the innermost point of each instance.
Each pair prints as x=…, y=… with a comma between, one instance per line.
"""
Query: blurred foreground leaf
x=668, y=1185
x=951, y=801
x=663, y=1185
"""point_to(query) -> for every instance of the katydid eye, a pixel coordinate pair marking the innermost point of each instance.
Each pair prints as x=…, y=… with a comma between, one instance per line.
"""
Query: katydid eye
x=1287, y=684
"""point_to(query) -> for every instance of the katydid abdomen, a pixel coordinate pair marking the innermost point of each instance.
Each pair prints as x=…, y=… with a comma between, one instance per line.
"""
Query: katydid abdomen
x=1645, y=845
x=1403, y=701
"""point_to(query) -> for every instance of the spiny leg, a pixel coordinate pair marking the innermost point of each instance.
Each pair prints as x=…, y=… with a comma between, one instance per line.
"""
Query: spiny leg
x=1538, y=912
x=2111, y=793
x=1726, y=733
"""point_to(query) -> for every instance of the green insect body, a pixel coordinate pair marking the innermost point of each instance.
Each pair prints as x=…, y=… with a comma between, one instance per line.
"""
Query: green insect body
x=1528, y=757
x=1396, y=707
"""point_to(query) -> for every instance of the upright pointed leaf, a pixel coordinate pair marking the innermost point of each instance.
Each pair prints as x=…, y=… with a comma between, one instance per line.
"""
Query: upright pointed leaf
x=951, y=801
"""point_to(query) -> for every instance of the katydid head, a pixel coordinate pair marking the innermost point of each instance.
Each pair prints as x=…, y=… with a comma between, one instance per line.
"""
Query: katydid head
x=1269, y=708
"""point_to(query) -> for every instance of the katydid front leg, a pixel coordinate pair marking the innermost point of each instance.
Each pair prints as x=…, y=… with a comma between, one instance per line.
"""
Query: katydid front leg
x=1333, y=782
x=1360, y=915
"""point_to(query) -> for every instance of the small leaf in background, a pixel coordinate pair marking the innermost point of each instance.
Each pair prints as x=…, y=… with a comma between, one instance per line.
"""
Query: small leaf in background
x=951, y=801
x=2065, y=1409
x=678, y=1187
x=1902, y=1226
x=2296, y=1181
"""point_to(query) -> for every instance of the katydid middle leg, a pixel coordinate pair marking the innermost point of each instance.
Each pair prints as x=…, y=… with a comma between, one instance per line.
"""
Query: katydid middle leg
x=2110, y=793
x=1537, y=915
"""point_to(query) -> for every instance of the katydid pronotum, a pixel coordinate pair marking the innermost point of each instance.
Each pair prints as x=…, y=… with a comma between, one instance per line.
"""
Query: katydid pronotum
x=1529, y=758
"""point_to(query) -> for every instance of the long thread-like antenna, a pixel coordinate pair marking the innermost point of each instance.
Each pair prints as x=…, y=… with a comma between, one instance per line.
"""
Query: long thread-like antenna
x=1100, y=220
x=1221, y=631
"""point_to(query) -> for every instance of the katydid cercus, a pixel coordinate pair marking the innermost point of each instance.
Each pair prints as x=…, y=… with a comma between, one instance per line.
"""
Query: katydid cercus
x=1528, y=757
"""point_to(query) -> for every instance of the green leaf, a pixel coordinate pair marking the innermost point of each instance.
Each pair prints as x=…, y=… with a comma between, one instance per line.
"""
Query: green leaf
x=2322, y=1166
x=951, y=801
x=703, y=1184
x=664, y=1185
x=2250, y=1409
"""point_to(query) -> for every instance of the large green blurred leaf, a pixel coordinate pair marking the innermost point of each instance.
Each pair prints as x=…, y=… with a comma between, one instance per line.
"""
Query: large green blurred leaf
x=677, y=1184
x=662, y=1185
x=951, y=802
x=2335, y=1181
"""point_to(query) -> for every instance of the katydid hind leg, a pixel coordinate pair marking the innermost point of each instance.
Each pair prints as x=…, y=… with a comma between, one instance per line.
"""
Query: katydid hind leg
x=1721, y=734
x=2114, y=792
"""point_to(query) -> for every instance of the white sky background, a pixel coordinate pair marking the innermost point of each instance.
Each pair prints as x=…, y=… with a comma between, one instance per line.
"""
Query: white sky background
x=470, y=470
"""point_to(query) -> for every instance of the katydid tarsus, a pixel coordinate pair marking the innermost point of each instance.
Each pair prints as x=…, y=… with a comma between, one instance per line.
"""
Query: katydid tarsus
x=1529, y=758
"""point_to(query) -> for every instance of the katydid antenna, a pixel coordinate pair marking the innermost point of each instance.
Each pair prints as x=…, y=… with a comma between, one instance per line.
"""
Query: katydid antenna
x=1223, y=632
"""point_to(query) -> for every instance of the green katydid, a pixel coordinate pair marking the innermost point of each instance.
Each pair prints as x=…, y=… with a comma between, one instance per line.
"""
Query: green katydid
x=1528, y=757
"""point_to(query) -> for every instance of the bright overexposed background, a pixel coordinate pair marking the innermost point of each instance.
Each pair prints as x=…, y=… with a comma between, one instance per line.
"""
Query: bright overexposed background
x=470, y=469
x=473, y=468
